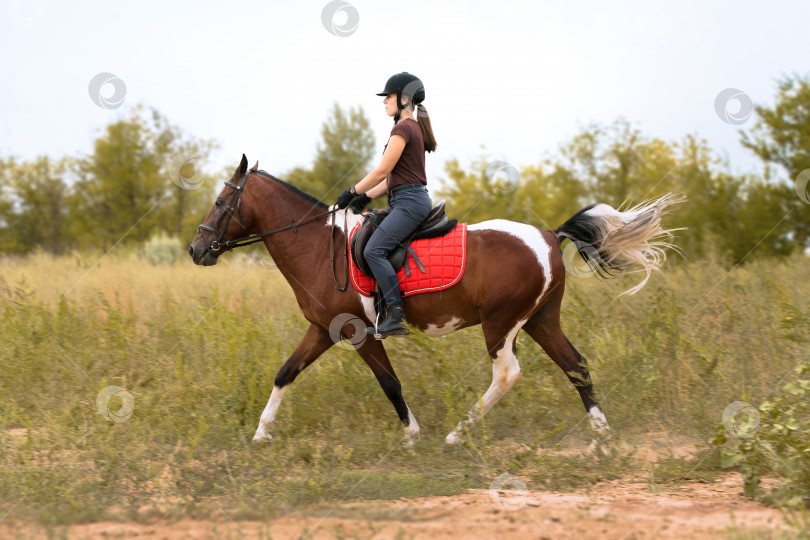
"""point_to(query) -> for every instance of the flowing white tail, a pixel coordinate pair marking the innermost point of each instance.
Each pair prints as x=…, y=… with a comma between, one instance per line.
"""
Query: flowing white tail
x=614, y=242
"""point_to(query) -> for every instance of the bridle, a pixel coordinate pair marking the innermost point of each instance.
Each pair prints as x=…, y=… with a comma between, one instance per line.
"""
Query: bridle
x=234, y=204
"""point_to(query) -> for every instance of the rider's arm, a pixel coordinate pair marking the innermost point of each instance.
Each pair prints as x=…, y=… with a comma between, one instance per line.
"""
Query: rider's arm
x=396, y=144
x=379, y=190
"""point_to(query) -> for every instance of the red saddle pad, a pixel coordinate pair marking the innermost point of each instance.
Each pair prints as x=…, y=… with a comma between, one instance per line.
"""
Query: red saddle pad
x=443, y=258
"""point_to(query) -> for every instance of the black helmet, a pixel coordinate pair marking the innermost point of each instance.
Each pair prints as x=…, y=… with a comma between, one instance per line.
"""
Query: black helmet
x=405, y=83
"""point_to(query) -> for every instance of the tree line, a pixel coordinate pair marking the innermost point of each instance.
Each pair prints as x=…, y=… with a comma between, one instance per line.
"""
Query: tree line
x=146, y=176
x=143, y=177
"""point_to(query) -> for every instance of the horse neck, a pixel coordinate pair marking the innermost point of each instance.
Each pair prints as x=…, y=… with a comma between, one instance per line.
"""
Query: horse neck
x=292, y=249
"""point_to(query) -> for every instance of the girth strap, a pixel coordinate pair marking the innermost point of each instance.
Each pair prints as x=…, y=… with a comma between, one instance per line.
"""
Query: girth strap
x=409, y=249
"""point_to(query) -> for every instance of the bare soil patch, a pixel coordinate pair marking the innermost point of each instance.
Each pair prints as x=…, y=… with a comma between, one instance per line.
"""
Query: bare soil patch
x=606, y=510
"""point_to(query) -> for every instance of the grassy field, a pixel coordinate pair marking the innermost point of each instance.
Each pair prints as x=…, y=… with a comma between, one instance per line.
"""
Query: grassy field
x=198, y=349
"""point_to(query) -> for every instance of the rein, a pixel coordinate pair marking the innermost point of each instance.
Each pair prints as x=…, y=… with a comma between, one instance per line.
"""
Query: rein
x=229, y=245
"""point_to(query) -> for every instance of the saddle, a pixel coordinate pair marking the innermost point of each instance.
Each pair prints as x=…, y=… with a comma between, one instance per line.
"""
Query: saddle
x=435, y=224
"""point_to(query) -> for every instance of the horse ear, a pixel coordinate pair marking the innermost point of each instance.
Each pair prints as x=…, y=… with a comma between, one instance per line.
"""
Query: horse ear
x=242, y=166
x=255, y=167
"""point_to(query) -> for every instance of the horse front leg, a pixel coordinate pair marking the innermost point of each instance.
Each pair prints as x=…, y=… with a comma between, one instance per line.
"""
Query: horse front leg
x=316, y=341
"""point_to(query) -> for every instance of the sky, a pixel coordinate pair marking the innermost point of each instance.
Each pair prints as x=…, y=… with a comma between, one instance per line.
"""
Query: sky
x=509, y=79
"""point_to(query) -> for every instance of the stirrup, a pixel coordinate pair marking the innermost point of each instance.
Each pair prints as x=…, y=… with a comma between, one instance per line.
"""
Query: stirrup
x=376, y=333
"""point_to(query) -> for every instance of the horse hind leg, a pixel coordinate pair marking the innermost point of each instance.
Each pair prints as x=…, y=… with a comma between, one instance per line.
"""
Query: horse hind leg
x=505, y=374
x=545, y=329
x=373, y=353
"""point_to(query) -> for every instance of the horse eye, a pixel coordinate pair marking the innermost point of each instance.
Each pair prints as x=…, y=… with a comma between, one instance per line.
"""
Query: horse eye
x=219, y=202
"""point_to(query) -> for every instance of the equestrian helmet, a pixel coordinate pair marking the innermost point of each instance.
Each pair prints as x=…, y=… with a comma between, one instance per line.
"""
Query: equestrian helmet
x=405, y=83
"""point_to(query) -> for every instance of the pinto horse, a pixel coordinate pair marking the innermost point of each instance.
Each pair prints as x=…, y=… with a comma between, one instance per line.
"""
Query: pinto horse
x=514, y=279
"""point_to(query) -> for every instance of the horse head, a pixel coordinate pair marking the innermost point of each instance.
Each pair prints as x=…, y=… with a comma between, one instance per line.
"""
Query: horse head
x=228, y=219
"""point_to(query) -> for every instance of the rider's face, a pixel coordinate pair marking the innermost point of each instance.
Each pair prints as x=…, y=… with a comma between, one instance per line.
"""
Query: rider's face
x=390, y=102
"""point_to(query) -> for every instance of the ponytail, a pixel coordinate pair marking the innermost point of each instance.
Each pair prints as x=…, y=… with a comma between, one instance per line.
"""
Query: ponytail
x=423, y=120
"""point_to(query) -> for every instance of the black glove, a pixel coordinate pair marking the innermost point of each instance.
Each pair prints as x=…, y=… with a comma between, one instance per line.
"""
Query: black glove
x=359, y=202
x=345, y=198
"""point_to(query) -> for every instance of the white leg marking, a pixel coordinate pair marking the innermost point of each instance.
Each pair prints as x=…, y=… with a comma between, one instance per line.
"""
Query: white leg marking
x=598, y=420
x=529, y=235
x=505, y=374
x=269, y=414
x=449, y=327
x=411, y=430
x=368, y=307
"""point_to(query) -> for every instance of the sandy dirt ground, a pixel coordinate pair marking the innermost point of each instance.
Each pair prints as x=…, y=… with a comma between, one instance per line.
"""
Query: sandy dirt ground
x=606, y=510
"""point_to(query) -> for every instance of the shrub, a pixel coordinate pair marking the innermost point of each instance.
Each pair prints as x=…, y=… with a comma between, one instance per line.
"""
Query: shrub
x=162, y=249
x=780, y=447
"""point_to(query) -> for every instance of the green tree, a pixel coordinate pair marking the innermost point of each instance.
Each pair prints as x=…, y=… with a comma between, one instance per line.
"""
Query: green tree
x=190, y=187
x=143, y=176
x=466, y=193
x=781, y=136
x=7, y=184
x=119, y=186
x=342, y=158
x=554, y=193
x=613, y=165
x=495, y=189
x=33, y=210
x=618, y=163
x=729, y=216
x=711, y=194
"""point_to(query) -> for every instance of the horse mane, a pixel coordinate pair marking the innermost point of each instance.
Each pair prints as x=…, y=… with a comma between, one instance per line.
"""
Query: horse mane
x=294, y=189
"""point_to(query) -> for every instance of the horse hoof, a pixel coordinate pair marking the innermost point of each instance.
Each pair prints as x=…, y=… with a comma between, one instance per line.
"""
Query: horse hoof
x=259, y=440
x=411, y=439
x=454, y=439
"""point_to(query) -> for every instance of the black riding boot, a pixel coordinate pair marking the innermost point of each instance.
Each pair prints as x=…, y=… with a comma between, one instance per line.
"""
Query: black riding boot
x=392, y=325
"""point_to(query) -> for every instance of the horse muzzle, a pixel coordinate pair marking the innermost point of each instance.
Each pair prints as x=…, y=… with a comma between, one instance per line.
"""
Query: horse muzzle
x=201, y=255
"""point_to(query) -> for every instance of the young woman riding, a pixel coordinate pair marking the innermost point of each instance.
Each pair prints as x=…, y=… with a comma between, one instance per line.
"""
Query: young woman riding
x=401, y=174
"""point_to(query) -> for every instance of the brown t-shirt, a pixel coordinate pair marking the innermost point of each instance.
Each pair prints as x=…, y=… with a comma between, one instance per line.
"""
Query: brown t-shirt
x=410, y=169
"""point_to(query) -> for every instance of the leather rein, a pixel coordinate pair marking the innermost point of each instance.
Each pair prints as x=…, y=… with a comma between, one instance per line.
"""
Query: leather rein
x=235, y=205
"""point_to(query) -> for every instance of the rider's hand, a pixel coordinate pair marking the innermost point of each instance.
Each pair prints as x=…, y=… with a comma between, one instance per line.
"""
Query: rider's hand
x=345, y=198
x=359, y=202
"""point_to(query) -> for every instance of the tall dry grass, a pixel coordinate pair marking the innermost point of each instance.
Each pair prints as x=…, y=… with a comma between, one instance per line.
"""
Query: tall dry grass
x=198, y=349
